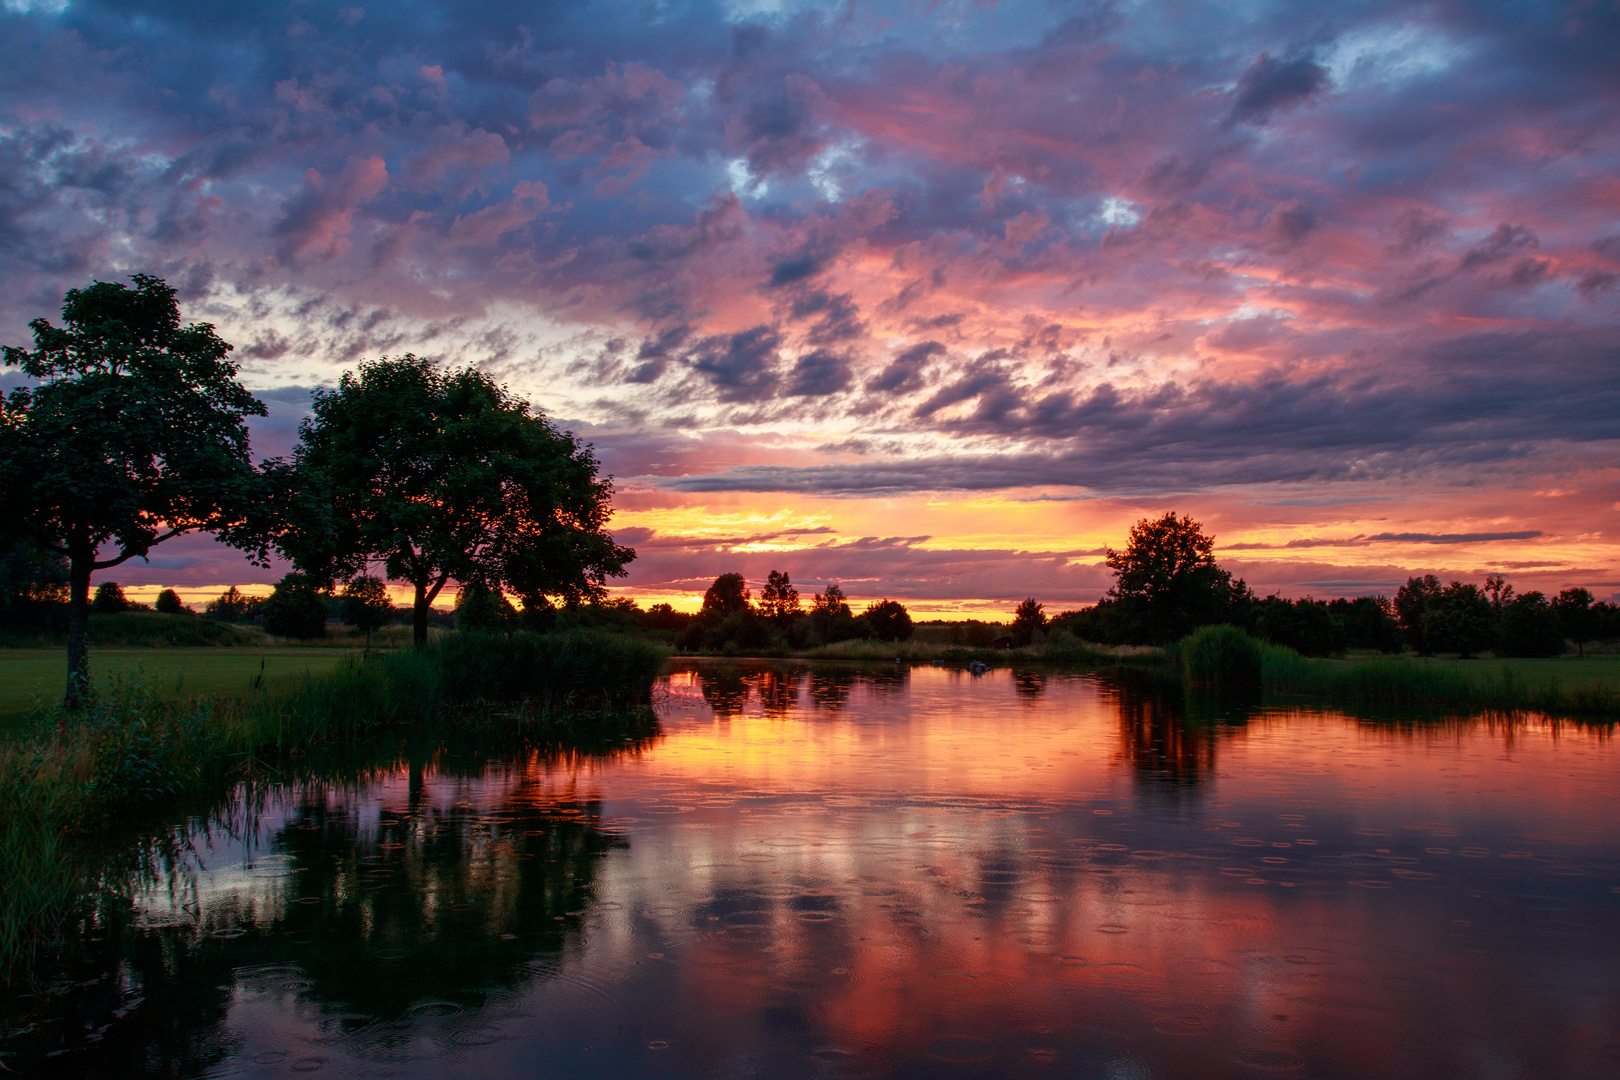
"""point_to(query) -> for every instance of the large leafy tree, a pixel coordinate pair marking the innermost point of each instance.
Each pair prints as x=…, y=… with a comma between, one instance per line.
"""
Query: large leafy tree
x=1168, y=583
x=133, y=433
x=444, y=475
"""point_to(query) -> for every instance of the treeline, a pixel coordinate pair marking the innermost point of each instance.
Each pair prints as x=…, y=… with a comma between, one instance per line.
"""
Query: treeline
x=731, y=620
x=1168, y=585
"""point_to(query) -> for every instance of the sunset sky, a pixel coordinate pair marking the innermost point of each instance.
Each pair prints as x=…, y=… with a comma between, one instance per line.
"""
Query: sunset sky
x=932, y=299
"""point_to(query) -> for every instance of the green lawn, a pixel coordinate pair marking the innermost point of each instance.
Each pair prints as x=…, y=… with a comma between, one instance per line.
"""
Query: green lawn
x=28, y=675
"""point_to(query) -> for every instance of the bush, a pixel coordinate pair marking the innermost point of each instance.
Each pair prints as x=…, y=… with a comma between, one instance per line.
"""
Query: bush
x=1307, y=626
x=574, y=667
x=234, y=606
x=295, y=609
x=1529, y=626
x=169, y=603
x=479, y=607
x=1221, y=656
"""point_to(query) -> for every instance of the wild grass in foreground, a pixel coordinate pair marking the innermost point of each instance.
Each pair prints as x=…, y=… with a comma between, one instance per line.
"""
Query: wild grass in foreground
x=133, y=751
x=1226, y=656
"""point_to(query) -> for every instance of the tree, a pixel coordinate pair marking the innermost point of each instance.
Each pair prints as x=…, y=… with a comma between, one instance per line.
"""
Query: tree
x=1529, y=626
x=110, y=599
x=1029, y=619
x=1307, y=626
x=1168, y=582
x=1499, y=591
x=133, y=435
x=779, y=600
x=444, y=475
x=479, y=607
x=1576, y=617
x=169, y=603
x=1411, y=601
x=233, y=606
x=830, y=617
x=366, y=605
x=33, y=587
x=728, y=594
x=295, y=609
x=889, y=620
x=1459, y=621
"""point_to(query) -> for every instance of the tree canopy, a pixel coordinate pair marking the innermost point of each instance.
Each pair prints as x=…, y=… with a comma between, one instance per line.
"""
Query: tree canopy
x=1168, y=582
x=132, y=434
x=444, y=475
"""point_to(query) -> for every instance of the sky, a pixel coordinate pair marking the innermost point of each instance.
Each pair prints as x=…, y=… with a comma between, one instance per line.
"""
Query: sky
x=933, y=299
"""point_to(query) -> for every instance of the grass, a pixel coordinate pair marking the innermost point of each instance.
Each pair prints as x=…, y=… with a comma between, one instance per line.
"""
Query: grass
x=31, y=678
x=140, y=747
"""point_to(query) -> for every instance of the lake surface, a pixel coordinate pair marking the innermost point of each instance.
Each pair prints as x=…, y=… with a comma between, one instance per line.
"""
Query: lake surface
x=821, y=871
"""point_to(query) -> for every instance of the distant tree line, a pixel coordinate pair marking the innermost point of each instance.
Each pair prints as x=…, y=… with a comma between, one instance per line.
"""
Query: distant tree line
x=1167, y=584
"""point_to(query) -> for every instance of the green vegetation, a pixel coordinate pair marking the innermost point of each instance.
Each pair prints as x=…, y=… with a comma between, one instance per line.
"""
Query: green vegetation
x=133, y=434
x=30, y=677
x=1225, y=655
x=441, y=476
x=132, y=746
x=1222, y=656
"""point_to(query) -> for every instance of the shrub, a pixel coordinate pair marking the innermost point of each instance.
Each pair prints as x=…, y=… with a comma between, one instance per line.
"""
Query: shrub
x=233, y=606
x=575, y=667
x=1222, y=656
x=169, y=603
x=479, y=607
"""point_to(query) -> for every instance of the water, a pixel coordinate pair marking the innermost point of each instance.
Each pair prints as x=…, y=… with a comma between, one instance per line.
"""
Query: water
x=865, y=872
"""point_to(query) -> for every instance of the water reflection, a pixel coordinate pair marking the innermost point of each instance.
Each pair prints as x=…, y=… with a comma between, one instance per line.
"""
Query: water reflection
x=874, y=871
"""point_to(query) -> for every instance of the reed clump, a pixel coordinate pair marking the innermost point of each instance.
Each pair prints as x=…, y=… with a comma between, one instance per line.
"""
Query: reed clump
x=1222, y=656
x=131, y=748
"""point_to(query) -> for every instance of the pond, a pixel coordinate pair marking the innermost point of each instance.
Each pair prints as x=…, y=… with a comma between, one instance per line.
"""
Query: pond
x=847, y=871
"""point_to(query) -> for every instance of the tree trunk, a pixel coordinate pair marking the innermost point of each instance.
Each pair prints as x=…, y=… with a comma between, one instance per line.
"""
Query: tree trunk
x=419, y=616
x=78, y=662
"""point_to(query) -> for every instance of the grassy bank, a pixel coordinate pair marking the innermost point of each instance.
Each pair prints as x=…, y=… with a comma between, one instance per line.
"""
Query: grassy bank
x=1224, y=655
x=137, y=749
x=31, y=678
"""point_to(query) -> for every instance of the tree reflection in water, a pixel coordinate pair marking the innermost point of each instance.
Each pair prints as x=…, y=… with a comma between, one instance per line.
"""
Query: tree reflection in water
x=382, y=913
x=1166, y=734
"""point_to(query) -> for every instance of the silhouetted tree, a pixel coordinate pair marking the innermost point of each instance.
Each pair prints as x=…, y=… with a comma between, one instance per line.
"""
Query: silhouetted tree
x=33, y=588
x=1459, y=621
x=830, y=617
x=1529, y=626
x=1305, y=625
x=1576, y=617
x=665, y=617
x=1029, y=619
x=779, y=600
x=1168, y=583
x=1499, y=592
x=479, y=607
x=366, y=605
x=134, y=435
x=233, y=606
x=728, y=594
x=295, y=609
x=889, y=620
x=109, y=599
x=1412, y=600
x=1368, y=622
x=444, y=476
x=169, y=603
